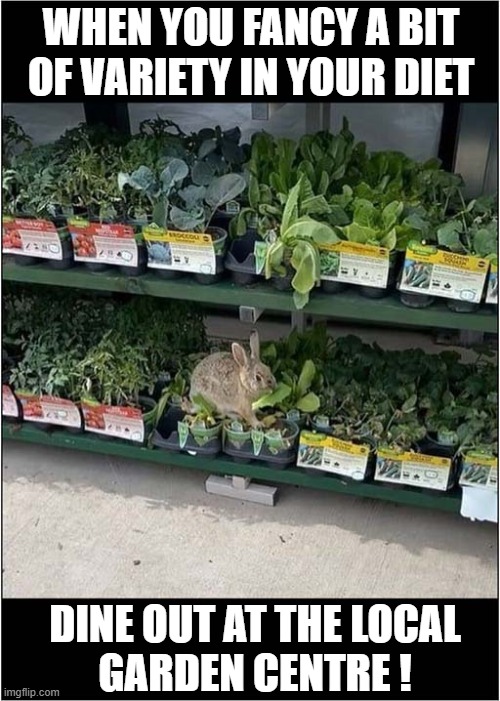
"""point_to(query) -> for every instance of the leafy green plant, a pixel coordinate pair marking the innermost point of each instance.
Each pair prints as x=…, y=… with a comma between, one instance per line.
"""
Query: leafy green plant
x=293, y=392
x=180, y=198
x=296, y=247
x=473, y=230
x=14, y=138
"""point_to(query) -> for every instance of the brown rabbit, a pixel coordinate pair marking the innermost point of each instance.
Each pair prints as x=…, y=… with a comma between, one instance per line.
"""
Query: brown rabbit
x=233, y=381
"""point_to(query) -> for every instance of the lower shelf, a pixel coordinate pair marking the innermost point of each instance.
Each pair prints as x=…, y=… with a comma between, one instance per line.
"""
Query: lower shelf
x=449, y=501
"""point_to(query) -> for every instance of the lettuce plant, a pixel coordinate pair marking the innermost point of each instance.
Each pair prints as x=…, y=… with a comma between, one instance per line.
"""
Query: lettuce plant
x=296, y=246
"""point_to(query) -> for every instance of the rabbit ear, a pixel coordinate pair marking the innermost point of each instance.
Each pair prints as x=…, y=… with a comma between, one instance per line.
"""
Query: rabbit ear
x=239, y=355
x=255, y=345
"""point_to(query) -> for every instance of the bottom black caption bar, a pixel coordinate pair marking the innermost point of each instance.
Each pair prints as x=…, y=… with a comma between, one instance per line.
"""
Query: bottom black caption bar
x=248, y=649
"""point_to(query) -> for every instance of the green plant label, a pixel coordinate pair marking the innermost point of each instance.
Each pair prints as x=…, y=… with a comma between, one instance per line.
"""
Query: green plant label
x=443, y=274
x=185, y=251
x=257, y=440
x=233, y=207
x=253, y=221
x=36, y=238
x=355, y=263
x=183, y=431
x=260, y=253
x=415, y=469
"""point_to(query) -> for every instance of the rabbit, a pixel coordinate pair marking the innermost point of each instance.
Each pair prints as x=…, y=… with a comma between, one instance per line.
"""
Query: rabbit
x=233, y=381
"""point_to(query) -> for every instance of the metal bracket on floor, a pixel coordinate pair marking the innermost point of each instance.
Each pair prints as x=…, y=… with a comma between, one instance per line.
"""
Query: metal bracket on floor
x=298, y=320
x=249, y=315
x=241, y=488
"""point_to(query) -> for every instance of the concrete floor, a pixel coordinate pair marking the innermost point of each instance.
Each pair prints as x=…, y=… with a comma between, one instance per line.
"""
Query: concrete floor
x=80, y=525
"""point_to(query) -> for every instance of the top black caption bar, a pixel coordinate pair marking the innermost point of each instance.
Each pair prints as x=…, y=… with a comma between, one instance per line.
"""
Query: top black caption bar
x=251, y=51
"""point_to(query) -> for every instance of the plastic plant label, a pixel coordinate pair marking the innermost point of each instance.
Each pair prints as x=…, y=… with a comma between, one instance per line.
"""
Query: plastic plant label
x=112, y=244
x=355, y=263
x=9, y=404
x=115, y=421
x=260, y=253
x=183, y=431
x=257, y=440
x=31, y=237
x=186, y=251
x=415, y=469
x=429, y=271
x=479, y=470
x=492, y=289
x=50, y=410
x=320, y=452
x=233, y=207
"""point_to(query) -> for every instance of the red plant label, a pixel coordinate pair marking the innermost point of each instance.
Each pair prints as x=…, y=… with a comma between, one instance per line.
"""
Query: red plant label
x=51, y=410
x=31, y=237
x=9, y=404
x=115, y=421
x=112, y=244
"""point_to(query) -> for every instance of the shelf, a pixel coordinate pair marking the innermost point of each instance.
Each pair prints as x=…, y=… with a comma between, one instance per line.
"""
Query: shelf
x=449, y=501
x=346, y=306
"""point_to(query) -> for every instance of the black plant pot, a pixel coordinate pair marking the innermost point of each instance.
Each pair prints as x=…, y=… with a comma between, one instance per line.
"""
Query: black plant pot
x=222, y=219
x=240, y=259
x=283, y=282
x=415, y=300
x=332, y=287
x=67, y=260
x=219, y=237
x=457, y=305
x=26, y=260
x=142, y=263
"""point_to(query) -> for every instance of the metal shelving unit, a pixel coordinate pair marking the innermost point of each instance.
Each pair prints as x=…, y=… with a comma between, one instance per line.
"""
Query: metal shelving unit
x=446, y=501
x=345, y=306
x=252, y=301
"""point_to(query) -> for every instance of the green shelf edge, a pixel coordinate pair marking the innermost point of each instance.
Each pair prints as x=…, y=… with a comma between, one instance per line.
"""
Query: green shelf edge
x=449, y=501
x=347, y=305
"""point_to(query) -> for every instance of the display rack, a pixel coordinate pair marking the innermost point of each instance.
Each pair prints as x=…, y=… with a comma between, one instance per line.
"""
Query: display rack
x=446, y=501
x=252, y=301
x=348, y=306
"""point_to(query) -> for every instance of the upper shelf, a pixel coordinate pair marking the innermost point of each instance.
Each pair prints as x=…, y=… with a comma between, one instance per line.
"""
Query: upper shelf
x=347, y=306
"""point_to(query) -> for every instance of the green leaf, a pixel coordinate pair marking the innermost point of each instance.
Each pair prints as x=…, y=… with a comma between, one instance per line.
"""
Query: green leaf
x=365, y=214
x=291, y=210
x=449, y=235
x=391, y=214
x=160, y=213
x=142, y=179
x=306, y=377
x=409, y=404
x=187, y=221
x=225, y=188
x=309, y=403
x=274, y=258
x=485, y=242
x=360, y=234
x=306, y=228
x=277, y=396
x=300, y=300
x=202, y=173
x=389, y=240
x=207, y=147
x=175, y=171
x=253, y=192
x=305, y=261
